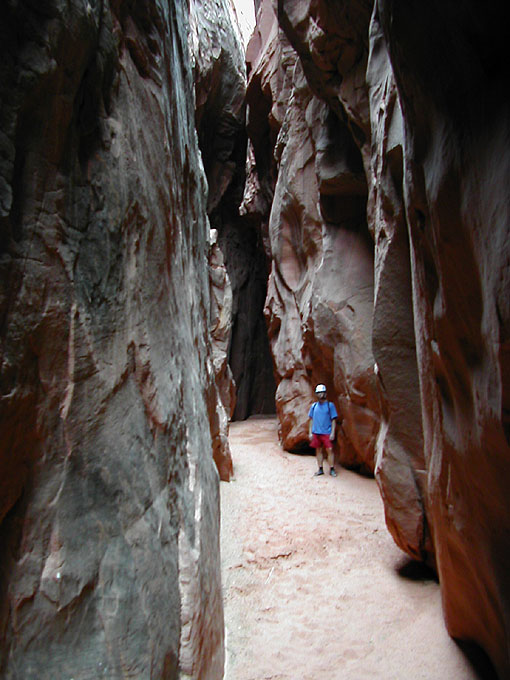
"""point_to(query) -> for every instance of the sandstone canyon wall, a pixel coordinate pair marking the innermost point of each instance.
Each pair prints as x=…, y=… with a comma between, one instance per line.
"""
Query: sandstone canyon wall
x=220, y=82
x=308, y=177
x=453, y=90
x=379, y=142
x=108, y=492
x=220, y=88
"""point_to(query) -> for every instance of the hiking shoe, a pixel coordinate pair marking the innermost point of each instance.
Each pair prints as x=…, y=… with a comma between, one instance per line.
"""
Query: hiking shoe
x=332, y=472
x=319, y=472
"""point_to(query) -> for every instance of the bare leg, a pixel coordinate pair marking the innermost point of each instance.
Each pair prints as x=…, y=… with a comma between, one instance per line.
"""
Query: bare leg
x=331, y=462
x=320, y=458
x=319, y=455
x=331, y=457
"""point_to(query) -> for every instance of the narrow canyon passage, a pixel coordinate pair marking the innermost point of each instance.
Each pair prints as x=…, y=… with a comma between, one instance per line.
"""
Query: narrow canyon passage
x=314, y=586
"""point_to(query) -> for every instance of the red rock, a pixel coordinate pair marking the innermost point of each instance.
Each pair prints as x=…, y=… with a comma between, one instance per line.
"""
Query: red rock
x=457, y=206
x=109, y=495
x=436, y=183
x=319, y=302
x=421, y=90
x=400, y=467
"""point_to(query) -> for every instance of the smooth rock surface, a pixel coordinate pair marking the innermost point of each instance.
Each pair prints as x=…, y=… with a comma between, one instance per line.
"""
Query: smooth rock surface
x=452, y=82
x=108, y=491
x=400, y=465
x=220, y=87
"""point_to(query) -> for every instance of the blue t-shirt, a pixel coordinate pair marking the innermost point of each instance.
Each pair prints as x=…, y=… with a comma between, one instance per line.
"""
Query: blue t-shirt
x=322, y=413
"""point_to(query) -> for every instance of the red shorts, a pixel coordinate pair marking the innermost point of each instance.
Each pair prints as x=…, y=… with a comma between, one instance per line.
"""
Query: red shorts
x=319, y=440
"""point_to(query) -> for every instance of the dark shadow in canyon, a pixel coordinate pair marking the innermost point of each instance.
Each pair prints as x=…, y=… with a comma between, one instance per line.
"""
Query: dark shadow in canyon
x=220, y=120
x=478, y=659
x=415, y=571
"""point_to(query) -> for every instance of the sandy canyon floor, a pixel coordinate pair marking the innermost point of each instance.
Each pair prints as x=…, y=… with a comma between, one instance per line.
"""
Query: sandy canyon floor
x=314, y=586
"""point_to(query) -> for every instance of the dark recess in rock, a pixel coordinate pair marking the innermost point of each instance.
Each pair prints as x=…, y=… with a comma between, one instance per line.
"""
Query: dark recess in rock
x=221, y=108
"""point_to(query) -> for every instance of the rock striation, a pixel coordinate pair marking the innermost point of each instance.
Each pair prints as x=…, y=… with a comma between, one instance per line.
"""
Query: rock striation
x=379, y=162
x=373, y=232
x=108, y=494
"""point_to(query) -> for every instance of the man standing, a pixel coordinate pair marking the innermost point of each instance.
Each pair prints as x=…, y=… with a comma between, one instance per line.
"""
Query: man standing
x=321, y=430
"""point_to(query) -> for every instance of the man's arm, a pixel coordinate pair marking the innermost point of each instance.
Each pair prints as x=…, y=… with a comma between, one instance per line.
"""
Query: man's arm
x=333, y=428
x=310, y=423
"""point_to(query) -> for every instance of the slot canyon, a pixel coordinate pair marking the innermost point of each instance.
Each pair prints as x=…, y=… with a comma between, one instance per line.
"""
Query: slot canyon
x=198, y=226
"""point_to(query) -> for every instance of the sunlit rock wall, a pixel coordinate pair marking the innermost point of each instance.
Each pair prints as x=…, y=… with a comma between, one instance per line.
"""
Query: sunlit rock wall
x=108, y=491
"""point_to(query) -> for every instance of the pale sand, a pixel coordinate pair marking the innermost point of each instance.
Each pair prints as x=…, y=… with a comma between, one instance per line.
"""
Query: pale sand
x=312, y=588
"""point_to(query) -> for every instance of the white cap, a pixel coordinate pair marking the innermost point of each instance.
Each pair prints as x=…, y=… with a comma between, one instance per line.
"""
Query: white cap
x=320, y=388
